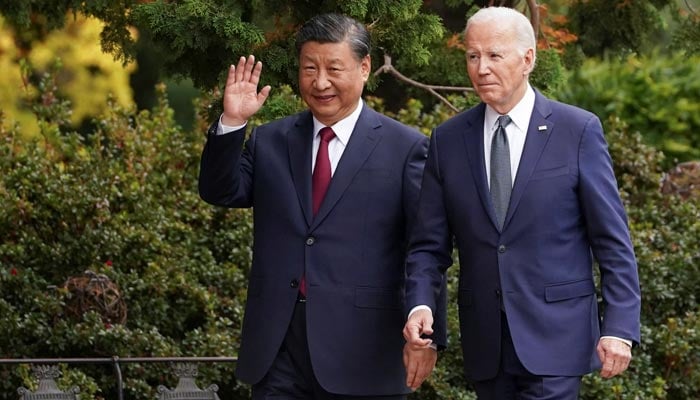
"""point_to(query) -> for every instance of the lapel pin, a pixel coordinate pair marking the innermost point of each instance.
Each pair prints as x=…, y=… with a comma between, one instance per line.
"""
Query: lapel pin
x=542, y=128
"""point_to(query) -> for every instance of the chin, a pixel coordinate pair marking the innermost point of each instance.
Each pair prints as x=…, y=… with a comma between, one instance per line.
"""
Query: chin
x=489, y=97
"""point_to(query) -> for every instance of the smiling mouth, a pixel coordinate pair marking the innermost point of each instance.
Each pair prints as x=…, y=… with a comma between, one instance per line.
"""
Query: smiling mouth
x=324, y=98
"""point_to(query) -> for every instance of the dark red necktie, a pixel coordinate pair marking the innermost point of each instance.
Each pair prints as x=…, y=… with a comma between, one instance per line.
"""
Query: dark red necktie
x=320, y=180
x=322, y=170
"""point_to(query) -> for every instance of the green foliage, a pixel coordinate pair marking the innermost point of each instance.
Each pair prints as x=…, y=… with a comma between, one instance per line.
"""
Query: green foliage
x=607, y=27
x=678, y=343
x=281, y=103
x=122, y=202
x=657, y=96
x=199, y=39
x=548, y=75
x=687, y=37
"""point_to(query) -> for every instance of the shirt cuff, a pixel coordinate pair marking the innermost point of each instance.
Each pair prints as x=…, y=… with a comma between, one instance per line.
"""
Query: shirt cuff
x=222, y=129
x=419, y=307
x=625, y=341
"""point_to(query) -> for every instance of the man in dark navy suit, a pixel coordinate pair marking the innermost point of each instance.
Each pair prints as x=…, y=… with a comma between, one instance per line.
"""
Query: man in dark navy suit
x=524, y=187
x=334, y=191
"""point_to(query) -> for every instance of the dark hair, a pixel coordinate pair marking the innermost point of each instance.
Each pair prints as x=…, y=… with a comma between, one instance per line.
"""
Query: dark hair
x=335, y=28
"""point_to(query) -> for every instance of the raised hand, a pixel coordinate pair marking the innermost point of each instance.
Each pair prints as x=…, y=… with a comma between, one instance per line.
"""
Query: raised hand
x=241, y=97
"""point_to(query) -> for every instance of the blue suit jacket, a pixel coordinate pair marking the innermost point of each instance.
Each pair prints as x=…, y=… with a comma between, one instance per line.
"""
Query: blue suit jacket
x=353, y=251
x=565, y=210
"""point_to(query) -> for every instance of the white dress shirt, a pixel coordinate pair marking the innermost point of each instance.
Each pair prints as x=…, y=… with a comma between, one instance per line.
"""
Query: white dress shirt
x=343, y=130
x=515, y=132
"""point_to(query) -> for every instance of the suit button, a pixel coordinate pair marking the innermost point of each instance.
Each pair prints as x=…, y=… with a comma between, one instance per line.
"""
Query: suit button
x=294, y=284
x=498, y=293
x=310, y=241
x=502, y=249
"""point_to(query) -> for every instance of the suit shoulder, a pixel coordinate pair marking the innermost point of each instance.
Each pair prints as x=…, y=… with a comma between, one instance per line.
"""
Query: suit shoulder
x=569, y=112
x=399, y=129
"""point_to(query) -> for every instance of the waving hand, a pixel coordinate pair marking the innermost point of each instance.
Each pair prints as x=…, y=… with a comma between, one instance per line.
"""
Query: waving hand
x=241, y=97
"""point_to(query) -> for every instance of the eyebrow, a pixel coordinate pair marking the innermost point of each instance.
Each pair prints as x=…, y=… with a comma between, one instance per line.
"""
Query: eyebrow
x=336, y=60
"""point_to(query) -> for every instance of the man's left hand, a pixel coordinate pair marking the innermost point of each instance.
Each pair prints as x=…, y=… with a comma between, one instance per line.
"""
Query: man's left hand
x=615, y=356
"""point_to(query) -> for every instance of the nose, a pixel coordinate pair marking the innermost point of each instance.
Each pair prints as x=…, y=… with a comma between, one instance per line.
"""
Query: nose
x=321, y=82
x=483, y=67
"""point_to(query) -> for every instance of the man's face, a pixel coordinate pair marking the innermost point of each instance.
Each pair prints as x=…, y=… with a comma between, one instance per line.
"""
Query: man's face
x=497, y=70
x=331, y=79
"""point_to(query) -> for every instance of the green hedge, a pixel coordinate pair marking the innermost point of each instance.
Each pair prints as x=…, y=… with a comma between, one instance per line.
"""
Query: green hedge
x=123, y=202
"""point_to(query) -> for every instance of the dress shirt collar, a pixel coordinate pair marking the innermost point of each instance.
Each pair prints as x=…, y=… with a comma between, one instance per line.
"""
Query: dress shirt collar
x=519, y=115
x=343, y=128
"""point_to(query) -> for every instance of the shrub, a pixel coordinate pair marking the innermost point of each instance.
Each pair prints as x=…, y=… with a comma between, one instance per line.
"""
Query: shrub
x=121, y=202
x=658, y=96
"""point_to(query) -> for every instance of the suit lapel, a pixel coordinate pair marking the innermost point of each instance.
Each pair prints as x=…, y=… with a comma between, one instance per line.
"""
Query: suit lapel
x=535, y=142
x=474, y=144
x=363, y=140
x=300, y=144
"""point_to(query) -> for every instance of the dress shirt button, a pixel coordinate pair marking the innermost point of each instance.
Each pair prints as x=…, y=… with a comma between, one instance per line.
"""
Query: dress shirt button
x=294, y=284
x=498, y=293
x=310, y=241
x=502, y=248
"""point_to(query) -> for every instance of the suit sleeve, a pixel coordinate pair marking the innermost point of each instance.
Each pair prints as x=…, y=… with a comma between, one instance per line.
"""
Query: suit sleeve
x=226, y=169
x=413, y=173
x=609, y=236
x=430, y=248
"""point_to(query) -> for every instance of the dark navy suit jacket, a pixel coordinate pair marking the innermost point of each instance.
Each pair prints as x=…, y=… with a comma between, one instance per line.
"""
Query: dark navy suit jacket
x=353, y=250
x=565, y=211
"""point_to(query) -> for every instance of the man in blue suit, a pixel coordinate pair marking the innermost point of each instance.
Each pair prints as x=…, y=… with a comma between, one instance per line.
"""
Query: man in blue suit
x=332, y=213
x=524, y=187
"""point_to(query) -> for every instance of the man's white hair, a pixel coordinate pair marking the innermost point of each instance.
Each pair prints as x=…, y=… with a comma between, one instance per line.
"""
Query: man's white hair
x=508, y=18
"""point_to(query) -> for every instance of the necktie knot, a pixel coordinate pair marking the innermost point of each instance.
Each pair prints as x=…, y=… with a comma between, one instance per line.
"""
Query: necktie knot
x=326, y=134
x=503, y=121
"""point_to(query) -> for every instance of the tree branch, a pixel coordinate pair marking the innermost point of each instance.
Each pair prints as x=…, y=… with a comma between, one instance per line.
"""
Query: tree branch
x=534, y=15
x=388, y=68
